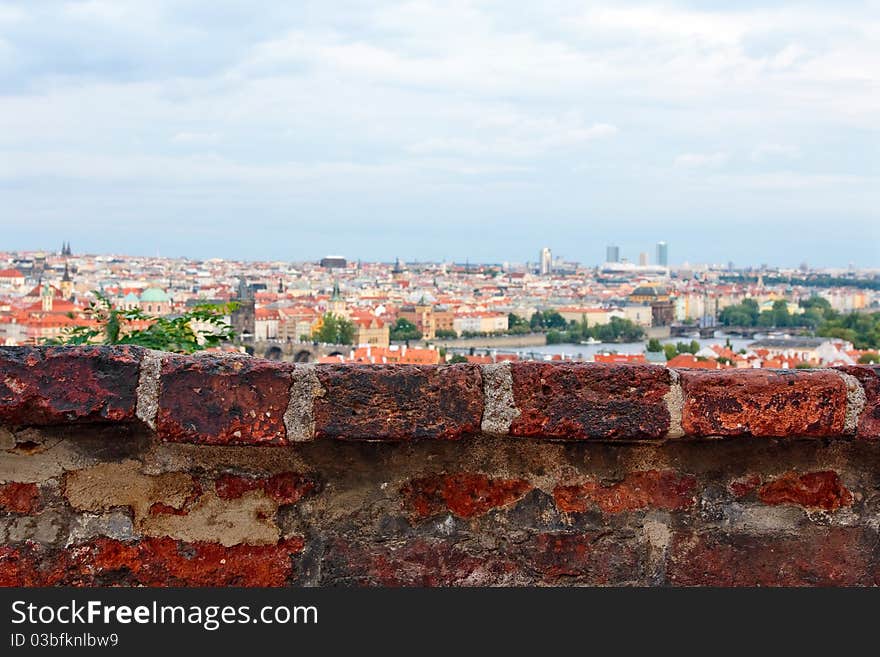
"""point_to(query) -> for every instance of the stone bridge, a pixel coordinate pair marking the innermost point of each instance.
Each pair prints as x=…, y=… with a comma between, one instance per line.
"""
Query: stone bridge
x=295, y=352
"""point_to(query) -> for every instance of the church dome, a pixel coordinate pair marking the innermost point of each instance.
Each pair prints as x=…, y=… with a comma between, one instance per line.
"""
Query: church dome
x=154, y=295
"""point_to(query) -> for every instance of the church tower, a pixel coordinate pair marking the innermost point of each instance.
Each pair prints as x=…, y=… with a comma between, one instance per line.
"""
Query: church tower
x=337, y=303
x=66, y=284
x=47, y=297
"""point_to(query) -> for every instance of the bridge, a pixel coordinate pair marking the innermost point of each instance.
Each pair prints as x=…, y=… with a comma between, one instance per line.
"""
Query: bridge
x=688, y=330
x=294, y=352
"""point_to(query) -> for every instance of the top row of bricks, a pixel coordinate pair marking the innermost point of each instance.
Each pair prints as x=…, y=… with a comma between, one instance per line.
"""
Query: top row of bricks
x=240, y=400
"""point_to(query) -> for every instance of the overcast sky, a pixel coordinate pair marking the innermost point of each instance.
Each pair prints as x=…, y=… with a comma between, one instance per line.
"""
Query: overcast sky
x=442, y=130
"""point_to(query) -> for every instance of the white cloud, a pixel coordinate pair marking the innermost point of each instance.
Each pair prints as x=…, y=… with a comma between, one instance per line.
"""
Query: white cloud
x=459, y=95
x=770, y=151
x=195, y=138
x=701, y=160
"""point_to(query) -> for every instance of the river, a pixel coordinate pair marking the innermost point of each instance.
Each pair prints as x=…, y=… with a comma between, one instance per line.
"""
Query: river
x=587, y=351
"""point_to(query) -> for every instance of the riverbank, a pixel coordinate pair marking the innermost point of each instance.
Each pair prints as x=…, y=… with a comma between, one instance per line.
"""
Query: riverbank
x=492, y=342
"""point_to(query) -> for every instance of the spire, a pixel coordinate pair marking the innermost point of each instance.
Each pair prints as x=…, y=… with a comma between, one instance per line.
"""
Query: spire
x=66, y=277
x=244, y=290
x=337, y=295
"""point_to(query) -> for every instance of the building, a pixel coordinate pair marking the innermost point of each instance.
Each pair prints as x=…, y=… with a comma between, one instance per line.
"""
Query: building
x=480, y=322
x=643, y=259
x=662, y=313
x=612, y=253
x=11, y=278
x=649, y=294
x=334, y=262
x=626, y=359
x=444, y=319
x=663, y=254
x=66, y=284
x=387, y=355
x=370, y=330
x=545, y=266
x=266, y=322
x=592, y=316
x=807, y=350
x=337, y=305
x=422, y=316
x=243, y=319
x=154, y=301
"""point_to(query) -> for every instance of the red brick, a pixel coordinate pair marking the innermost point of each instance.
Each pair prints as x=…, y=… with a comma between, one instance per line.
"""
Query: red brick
x=763, y=403
x=744, y=485
x=827, y=556
x=465, y=495
x=149, y=562
x=12, y=568
x=62, y=385
x=19, y=498
x=658, y=489
x=284, y=488
x=869, y=421
x=417, y=562
x=221, y=400
x=587, y=558
x=586, y=400
x=816, y=490
x=398, y=402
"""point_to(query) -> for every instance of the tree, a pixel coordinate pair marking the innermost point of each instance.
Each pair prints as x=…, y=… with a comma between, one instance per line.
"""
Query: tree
x=554, y=337
x=654, y=345
x=552, y=319
x=691, y=347
x=458, y=358
x=445, y=333
x=177, y=334
x=404, y=329
x=869, y=358
x=335, y=329
x=517, y=325
x=670, y=350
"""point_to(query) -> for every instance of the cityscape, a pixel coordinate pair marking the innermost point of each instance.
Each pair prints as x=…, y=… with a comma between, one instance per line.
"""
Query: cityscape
x=631, y=308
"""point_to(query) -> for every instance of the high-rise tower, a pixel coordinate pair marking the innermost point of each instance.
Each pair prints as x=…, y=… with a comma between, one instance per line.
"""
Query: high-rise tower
x=546, y=261
x=663, y=254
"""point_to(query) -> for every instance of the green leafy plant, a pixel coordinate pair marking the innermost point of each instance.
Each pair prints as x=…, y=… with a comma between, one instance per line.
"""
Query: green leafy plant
x=115, y=326
x=335, y=329
x=404, y=329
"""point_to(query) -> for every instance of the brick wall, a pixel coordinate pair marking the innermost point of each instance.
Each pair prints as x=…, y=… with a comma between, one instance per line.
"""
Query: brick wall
x=126, y=466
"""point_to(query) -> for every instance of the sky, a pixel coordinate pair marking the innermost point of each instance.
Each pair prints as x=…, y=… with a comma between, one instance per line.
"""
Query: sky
x=449, y=130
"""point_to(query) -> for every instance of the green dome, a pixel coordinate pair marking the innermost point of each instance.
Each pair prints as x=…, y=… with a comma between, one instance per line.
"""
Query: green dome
x=154, y=295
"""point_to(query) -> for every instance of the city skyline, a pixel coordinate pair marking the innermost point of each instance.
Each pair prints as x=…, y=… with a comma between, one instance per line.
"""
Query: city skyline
x=642, y=259
x=437, y=130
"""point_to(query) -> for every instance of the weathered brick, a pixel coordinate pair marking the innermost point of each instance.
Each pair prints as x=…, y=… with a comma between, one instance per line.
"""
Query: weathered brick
x=284, y=488
x=814, y=490
x=398, y=402
x=826, y=556
x=149, y=562
x=744, y=486
x=587, y=400
x=415, y=563
x=591, y=558
x=221, y=400
x=464, y=494
x=763, y=403
x=62, y=385
x=869, y=421
x=658, y=489
x=19, y=498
